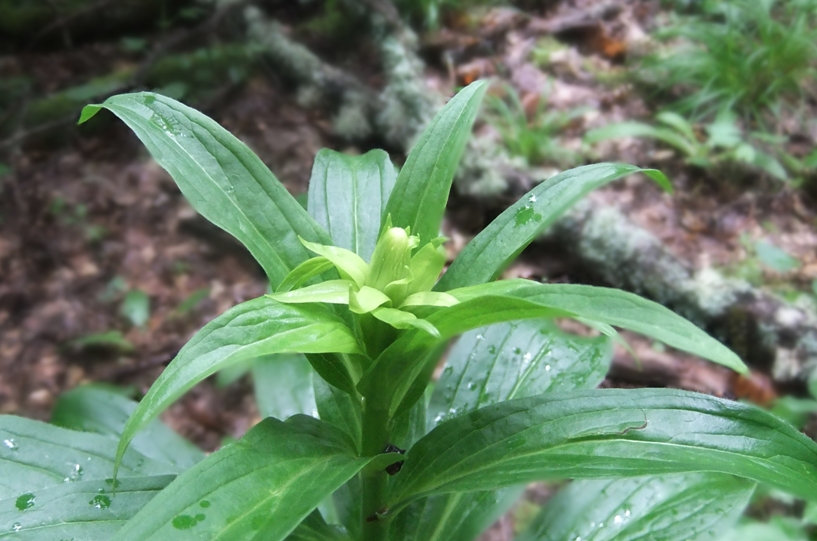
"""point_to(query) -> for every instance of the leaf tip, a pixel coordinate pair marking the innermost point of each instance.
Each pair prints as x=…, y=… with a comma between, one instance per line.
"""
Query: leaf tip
x=659, y=178
x=88, y=112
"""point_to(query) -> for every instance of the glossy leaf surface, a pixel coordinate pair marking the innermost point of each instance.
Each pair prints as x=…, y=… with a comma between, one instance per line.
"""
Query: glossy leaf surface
x=607, y=433
x=283, y=386
x=254, y=328
x=35, y=455
x=396, y=369
x=617, y=308
x=260, y=487
x=421, y=192
x=221, y=177
x=314, y=528
x=347, y=197
x=515, y=360
x=93, y=408
x=678, y=507
x=339, y=409
x=498, y=244
x=86, y=510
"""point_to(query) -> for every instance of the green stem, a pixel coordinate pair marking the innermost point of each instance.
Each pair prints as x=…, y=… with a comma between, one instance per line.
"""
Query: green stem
x=375, y=439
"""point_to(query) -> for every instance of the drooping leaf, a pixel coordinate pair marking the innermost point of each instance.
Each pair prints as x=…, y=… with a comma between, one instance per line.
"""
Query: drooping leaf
x=607, y=433
x=347, y=197
x=516, y=360
x=136, y=307
x=86, y=510
x=339, y=409
x=35, y=455
x=254, y=328
x=498, y=244
x=221, y=177
x=283, y=386
x=420, y=194
x=260, y=487
x=95, y=408
x=677, y=507
x=614, y=307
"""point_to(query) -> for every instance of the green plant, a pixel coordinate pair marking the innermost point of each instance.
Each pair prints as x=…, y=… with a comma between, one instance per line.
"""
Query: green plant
x=534, y=137
x=746, y=55
x=725, y=141
x=356, y=290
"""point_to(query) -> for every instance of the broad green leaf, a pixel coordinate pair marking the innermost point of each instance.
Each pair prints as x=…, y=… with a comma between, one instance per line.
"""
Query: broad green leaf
x=260, y=487
x=339, y=409
x=348, y=195
x=677, y=507
x=394, y=372
x=420, y=194
x=348, y=501
x=614, y=307
x=221, y=177
x=516, y=360
x=35, y=455
x=490, y=365
x=453, y=517
x=95, y=408
x=607, y=433
x=254, y=328
x=84, y=510
x=314, y=528
x=779, y=528
x=404, y=320
x=484, y=258
x=304, y=272
x=283, y=386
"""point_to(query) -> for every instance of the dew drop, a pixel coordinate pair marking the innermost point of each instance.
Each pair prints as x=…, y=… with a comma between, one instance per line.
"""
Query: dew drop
x=532, y=199
x=480, y=337
x=16, y=527
x=547, y=368
x=517, y=351
x=11, y=444
x=204, y=503
x=471, y=385
x=617, y=519
x=492, y=350
x=626, y=512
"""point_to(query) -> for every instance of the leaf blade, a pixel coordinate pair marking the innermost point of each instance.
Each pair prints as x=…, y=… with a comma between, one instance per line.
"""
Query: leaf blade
x=221, y=177
x=420, y=194
x=607, y=433
x=254, y=328
x=260, y=487
x=502, y=240
x=343, y=193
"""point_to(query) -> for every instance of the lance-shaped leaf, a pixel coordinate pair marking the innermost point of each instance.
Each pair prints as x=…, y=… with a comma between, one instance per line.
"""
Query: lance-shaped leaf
x=678, y=507
x=453, y=517
x=487, y=366
x=35, y=455
x=104, y=410
x=420, y=194
x=283, y=386
x=86, y=510
x=254, y=328
x=515, y=360
x=221, y=177
x=396, y=369
x=607, y=433
x=260, y=487
x=614, y=307
x=347, y=197
x=498, y=244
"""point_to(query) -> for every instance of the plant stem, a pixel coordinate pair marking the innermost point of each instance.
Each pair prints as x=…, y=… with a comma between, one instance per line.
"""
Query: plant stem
x=375, y=439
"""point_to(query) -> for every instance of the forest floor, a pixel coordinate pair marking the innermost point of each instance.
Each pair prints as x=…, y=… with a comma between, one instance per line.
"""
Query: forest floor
x=87, y=221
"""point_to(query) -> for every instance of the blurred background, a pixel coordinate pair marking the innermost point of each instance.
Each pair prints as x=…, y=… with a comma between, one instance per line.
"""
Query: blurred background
x=106, y=271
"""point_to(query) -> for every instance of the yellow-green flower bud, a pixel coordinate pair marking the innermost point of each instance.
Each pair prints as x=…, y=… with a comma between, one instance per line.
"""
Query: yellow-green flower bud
x=390, y=263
